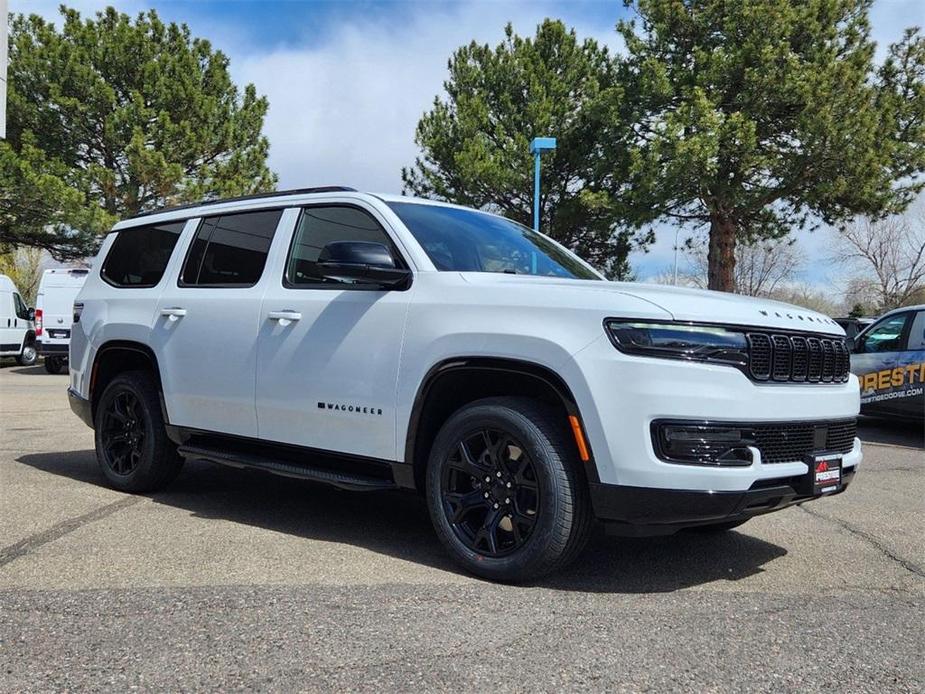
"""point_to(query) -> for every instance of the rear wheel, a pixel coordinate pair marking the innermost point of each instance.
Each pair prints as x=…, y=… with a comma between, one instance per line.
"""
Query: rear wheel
x=54, y=365
x=132, y=447
x=506, y=494
x=28, y=355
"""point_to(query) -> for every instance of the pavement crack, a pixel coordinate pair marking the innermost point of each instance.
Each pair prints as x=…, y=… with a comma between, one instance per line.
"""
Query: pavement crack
x=59, y=530
x=870, y=539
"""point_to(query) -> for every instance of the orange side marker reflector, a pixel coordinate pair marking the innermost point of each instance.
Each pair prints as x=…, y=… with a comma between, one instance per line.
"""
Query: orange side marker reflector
x=579, y=438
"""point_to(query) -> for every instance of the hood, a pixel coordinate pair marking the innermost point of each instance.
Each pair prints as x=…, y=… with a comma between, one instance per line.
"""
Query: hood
x=697, y=305
x=706, y=306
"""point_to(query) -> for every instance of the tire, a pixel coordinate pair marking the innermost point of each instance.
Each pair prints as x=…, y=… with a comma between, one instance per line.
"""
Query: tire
x=132, y=447
x=28, y=356
x=526, y=451
x=719, y=527
x=54, y=365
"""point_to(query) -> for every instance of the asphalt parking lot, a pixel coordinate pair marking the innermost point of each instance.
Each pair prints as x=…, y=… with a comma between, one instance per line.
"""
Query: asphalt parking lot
x=232, y=580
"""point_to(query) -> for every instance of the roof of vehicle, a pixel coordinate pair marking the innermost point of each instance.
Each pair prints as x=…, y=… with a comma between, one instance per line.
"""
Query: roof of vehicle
x=280, y=197
x=241, y=198
x=63, y=277
x=901, y=309
x=7, y=285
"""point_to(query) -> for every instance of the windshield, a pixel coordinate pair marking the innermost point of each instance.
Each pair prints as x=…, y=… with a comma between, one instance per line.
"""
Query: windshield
x=469, y=241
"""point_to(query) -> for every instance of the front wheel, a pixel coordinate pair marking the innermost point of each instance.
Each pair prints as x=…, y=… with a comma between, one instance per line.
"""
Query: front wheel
x=505, y=491
x=28, y=355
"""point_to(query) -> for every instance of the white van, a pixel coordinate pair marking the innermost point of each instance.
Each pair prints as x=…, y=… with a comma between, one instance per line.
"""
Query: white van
x=17, y=336
x=54, y=313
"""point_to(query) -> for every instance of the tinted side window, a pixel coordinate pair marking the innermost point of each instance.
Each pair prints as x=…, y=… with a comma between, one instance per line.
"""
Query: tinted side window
x=22, y=310
x=139, y=256
x=885, y=336
x=319, y=226
x=231, y=250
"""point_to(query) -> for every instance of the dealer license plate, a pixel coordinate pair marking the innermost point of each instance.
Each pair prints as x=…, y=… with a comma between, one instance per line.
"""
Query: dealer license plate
x=825, y=472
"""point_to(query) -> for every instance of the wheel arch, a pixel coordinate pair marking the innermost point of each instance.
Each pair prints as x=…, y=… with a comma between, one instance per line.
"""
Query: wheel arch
x=118, y=356
x=455, y=382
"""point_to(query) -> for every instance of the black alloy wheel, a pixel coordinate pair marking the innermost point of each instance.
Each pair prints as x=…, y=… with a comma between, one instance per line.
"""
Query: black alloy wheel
x=506, y=493
x=123, y=433
x=132, y=447
x=491, y=492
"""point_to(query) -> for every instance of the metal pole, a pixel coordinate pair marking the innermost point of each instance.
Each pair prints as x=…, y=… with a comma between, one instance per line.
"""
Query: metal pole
x=536, y=191
x=537, y=145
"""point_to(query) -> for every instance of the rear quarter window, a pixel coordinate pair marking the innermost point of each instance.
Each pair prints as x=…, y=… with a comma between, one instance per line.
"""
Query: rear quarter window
x=139, y=255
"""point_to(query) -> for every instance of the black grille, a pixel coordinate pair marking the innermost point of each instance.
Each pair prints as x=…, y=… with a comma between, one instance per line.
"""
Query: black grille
x=797, y=358
x=800, y=358
x=785, y=443
x=759, y=355
x=781, y=353
x=704, y=442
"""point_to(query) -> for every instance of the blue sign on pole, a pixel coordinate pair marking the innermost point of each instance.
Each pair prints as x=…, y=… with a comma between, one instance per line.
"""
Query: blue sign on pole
x=537, y=145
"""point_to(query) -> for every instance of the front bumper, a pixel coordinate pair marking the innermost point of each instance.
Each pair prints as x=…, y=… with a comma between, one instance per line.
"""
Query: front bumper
x=646, y=511
x=620, y=396
x=80, y=406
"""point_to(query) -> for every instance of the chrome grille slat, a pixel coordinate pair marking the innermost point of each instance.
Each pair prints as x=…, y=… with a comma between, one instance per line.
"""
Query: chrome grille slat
x=797, y=358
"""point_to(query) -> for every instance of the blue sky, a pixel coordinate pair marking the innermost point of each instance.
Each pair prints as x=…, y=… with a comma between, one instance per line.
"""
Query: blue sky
x=347, y=81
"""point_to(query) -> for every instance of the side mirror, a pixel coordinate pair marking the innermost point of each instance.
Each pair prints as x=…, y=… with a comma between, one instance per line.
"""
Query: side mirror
x=852, y=344
x=362, y=262
x=31, y=314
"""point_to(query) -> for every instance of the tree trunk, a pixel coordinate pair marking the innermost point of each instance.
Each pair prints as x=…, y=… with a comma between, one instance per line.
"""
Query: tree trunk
x=721, y=258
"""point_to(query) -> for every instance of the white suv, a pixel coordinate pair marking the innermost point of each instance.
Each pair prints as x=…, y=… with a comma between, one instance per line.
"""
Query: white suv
x=382, y=342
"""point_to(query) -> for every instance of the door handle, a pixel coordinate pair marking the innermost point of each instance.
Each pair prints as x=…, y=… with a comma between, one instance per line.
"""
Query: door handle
x=173, y=313
x=285, y=317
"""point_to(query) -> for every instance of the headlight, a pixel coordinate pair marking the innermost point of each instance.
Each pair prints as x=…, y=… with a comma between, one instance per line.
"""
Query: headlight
x=679, y=341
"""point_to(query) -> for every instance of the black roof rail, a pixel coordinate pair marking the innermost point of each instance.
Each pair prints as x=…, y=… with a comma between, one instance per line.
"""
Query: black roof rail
x=253, y=196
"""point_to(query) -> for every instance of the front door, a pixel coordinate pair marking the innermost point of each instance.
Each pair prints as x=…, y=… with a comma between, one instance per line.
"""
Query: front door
x=876, y=361
x=10, y=333
x=328, y=350
x=205, y=333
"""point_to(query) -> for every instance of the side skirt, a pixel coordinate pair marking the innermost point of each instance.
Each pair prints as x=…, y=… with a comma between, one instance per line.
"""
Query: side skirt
x=344, y=472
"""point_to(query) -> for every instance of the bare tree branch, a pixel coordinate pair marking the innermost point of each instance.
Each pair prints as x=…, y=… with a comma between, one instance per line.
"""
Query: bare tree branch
x=760, y=269
x=887, y=256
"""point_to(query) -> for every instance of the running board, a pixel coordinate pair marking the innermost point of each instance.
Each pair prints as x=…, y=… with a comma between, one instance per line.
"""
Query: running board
x=342, y=480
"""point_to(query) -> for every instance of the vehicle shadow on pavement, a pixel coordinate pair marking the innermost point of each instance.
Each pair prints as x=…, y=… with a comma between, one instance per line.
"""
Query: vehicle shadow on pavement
x=895, y=432
x=397, y=524
x=36, y=370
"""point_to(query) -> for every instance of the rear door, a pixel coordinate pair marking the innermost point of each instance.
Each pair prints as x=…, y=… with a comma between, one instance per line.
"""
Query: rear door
x=328, y=351
x=205, y=334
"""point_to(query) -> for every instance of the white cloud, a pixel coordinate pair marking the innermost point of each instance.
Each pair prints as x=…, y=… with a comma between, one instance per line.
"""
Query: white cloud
x=344, y=110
